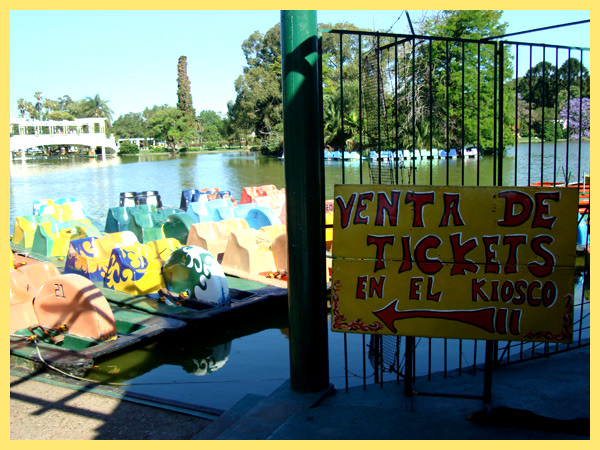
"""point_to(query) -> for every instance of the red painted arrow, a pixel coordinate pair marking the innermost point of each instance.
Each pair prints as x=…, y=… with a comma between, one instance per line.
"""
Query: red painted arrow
x=482, y=318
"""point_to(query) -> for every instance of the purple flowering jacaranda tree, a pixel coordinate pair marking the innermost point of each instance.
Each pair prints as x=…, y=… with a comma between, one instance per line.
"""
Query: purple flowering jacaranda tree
x=576, y=117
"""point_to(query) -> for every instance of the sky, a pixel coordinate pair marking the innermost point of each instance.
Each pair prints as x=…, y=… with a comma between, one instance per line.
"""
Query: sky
x=129, y=57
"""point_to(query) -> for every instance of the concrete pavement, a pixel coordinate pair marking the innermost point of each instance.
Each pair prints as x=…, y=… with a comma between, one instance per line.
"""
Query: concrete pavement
x=548, y=398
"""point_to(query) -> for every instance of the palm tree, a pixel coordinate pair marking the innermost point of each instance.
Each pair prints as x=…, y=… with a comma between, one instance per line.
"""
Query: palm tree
x=22, y=107
x=96, y=107
x=38, y=105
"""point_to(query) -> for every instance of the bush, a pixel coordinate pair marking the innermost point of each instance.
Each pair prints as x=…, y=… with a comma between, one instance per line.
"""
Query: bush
x=127, y=148
x=156, y=149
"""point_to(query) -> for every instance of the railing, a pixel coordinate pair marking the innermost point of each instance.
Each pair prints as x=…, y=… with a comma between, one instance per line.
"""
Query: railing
x=428, y=110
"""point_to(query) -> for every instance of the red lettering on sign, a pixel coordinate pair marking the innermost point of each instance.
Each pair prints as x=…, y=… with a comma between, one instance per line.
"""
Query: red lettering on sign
x=420, y=199
x=345, y=210
x=451, y=204
x=536, y=268
x=376, y=287
x=427, y=265
x=491, y=266
x=361, y=283
x=380, y=242
x=430, y=295
x=520, y=285
x=387, y=206
x=459, y=252
x=514, y=199
x=407, y=258
x=542, y=208
x=513, y=241
x=477, y=291
x=415, y=285
x=360, y=207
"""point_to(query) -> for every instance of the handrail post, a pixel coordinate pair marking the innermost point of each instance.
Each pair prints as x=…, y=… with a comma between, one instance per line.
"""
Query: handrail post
x=305, y=201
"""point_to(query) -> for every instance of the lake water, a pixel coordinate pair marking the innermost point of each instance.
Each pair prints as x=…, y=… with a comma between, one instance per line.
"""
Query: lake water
x=217, y=371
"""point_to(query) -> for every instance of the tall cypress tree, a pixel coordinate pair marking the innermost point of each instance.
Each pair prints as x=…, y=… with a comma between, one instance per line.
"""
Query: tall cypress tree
x=184, y=92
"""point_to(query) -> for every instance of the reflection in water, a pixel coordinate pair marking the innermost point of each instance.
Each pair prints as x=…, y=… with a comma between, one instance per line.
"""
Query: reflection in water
x=209, y=363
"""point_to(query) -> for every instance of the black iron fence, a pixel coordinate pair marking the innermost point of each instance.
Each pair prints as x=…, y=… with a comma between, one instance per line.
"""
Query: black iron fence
x=426, y=110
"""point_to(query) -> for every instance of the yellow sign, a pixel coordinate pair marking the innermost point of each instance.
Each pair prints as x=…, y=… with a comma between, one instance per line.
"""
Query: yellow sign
x=456, y=262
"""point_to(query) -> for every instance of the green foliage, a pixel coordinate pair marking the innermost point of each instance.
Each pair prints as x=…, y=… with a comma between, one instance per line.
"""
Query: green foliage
x=258, y=104
x=128, y=148
x=95, y=107
x=184, y=90
x=462, y=74
x=212, y=127
x=543, y=91
x=172, y=126
x=130, y=125
x=64, y=108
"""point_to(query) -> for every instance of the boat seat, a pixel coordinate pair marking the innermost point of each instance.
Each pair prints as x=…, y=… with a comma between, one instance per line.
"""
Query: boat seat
x=249, y=193
x=73, y=210
x=274, y=202
x=117, y=219
x=24, y=285
x=198, y=212
x=63, y=200
x=147, y=226
x=51, y=240
x=260, y=216
x=187, y=196
x=246, y=251
x=271, y=232
x=213, y=236
x=24, y=229
x=242, y=210
x=135, y=270
x=89, y=257
x=83, y=228
x=37, y=204
x=279, y=248
x=161, y=249
x=76, y=302
x=226, y=212
x=177, y=226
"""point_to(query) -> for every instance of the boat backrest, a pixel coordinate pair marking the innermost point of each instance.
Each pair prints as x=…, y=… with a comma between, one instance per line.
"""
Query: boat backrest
x=249, y=193
x=161, y=249
x=134, y=270
x=260, y=216
x=117, y=219
x=75, y=302
x=270, y=233
x=37, y=204
x=279, y=248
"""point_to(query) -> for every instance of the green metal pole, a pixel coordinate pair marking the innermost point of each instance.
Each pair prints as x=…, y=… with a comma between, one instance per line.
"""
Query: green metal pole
x=305, y=202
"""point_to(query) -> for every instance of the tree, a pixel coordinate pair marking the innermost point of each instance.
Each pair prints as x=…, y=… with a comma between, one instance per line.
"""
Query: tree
x=574, y=77
x=130, y=125
x=576, y=117
x=451, y=62
x=38, y=105
x=184, y=92
x=538, y=86
x=127, y=148
x=211, y=126
x=95, y=107
x=22, y=107
x=172, y=126
x=258, y=105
